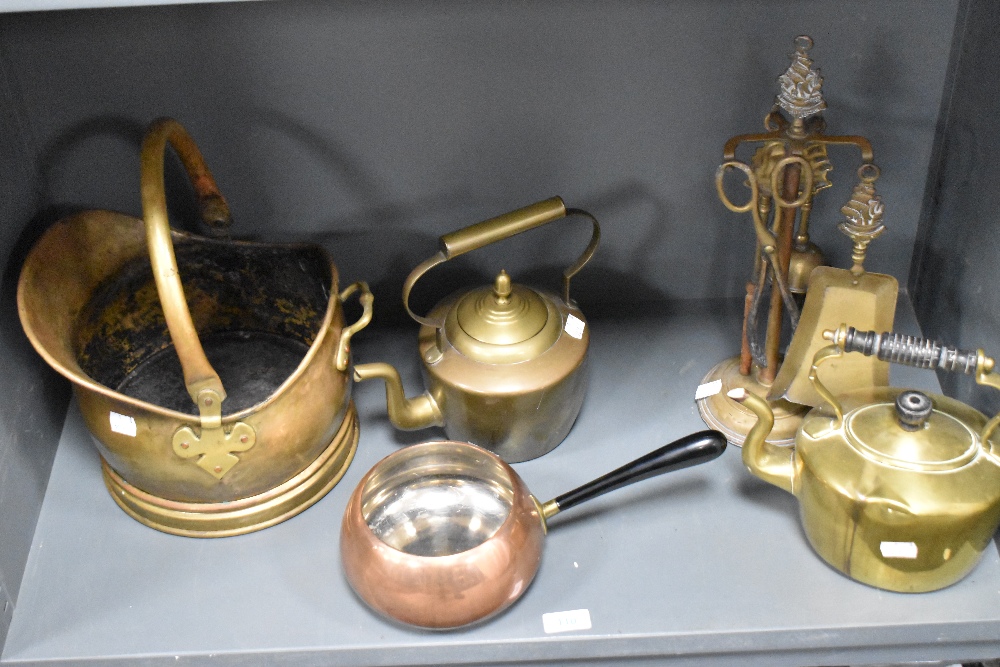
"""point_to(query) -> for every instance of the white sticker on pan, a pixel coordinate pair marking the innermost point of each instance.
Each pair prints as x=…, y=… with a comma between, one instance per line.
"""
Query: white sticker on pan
x=898, y=549
x=575, y=326
x=566, y=621
x=708, y=389
x=122, y=424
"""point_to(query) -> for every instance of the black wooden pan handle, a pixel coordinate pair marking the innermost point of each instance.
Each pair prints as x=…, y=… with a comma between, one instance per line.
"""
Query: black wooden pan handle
x=689, y=451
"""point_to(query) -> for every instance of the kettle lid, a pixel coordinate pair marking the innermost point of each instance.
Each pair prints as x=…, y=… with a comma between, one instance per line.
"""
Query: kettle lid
x=503, y=322
x=911, y=433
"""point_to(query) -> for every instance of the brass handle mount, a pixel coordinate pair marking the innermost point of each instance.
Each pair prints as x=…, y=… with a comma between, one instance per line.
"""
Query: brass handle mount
x=367, y=299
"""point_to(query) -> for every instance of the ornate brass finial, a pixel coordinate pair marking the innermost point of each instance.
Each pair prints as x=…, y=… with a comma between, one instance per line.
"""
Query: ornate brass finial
x=864, y=216
x=801, y=85
x=501, y=287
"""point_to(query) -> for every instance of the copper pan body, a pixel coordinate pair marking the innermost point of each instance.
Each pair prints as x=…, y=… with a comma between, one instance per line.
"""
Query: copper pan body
x=448, y=591
x=269, y=316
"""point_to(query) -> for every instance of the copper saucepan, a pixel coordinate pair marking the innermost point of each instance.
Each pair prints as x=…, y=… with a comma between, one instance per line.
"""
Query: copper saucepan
x=443, y=534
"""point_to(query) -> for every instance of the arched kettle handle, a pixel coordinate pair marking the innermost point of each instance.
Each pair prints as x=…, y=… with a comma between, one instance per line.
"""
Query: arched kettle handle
x=496, y=229
x=367, y=299
x=200, y=379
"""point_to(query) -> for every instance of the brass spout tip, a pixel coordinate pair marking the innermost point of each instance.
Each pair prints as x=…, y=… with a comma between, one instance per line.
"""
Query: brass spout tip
x=757, y=405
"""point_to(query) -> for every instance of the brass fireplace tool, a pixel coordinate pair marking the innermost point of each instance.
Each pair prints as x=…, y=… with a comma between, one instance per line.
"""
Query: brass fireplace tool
x=788, y=168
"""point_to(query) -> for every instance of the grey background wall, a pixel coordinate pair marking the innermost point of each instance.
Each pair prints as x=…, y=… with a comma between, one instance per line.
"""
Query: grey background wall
x=956, y=264
x=382, y=126
x=376, y=127
x=34, y=398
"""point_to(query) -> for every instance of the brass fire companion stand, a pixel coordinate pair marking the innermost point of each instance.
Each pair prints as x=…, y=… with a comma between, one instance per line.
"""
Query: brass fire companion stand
x=790, y=165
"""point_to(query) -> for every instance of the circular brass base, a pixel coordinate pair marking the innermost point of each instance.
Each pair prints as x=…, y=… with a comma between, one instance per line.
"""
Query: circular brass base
x=734, y=420
x=246, y=514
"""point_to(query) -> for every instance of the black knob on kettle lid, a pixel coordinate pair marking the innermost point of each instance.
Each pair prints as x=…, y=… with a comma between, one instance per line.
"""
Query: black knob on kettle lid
x=913, y=409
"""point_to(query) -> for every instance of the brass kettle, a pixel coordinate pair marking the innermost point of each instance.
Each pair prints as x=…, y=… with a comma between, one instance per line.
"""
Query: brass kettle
x=504, y=364
x=897, y=489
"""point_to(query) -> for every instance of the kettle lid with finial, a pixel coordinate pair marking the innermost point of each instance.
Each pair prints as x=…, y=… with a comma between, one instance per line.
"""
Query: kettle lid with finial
x=503, y=322
x=910, y=431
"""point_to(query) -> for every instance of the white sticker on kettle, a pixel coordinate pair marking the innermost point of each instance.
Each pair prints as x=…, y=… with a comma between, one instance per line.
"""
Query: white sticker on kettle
x=566, y=621
x=898, y=549
x=575, y=326
x=122, y=424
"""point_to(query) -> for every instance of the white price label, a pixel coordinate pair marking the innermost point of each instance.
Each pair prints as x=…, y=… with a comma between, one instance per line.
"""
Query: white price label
x=566, y=621
x=708, y=389
x=898, y=549
x=122, y=424
x=575, y=326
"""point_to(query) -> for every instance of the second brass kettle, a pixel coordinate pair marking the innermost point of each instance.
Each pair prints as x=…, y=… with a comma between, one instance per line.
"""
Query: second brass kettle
x=897, y=489
x=504, y=364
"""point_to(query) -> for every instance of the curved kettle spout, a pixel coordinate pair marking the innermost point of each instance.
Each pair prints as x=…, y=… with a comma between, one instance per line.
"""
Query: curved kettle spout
x=406, y=414
x=773, y=464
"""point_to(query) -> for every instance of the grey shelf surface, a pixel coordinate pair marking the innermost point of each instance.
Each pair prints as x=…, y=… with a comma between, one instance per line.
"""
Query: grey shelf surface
x=703, y=566
x=9, y=6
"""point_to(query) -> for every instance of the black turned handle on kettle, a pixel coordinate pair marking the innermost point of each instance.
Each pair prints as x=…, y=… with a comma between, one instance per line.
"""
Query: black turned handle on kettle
x=909, y=351
x=906, y=350
x=700, y=447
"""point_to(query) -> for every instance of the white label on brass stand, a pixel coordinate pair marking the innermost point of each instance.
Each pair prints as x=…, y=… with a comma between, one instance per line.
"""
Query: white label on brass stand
x=708, y=389
x=566, y=621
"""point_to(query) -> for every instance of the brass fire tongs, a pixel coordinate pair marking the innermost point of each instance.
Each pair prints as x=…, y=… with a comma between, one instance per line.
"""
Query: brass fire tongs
x=767, y=259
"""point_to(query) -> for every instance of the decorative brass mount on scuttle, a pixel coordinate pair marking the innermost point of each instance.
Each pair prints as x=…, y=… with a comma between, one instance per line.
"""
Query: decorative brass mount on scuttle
x=789, y=166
